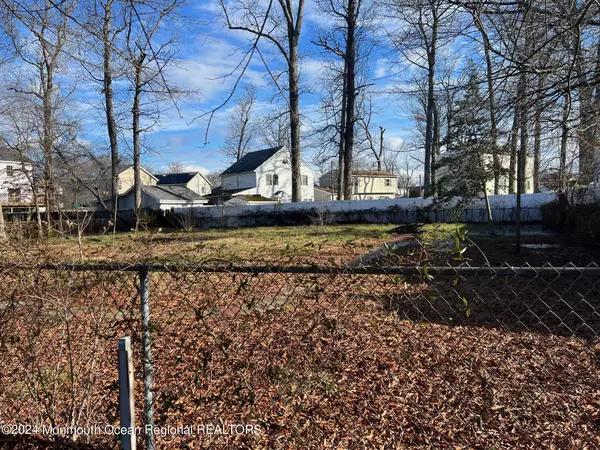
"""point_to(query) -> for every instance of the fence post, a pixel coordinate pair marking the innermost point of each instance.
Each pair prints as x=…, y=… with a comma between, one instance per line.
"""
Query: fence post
x=147, y=358
x=126, y=403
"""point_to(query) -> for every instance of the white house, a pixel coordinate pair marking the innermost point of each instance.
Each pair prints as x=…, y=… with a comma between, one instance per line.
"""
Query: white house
x=265, y=174
x=488, y=160
x=366, y=184
x=14, y=186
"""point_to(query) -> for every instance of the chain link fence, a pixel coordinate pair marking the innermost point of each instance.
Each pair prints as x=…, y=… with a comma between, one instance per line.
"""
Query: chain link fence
x=307, y=357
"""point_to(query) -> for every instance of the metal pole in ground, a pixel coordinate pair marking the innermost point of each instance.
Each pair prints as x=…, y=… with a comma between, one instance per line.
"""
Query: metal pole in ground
x=126, y=403
x=147, y=358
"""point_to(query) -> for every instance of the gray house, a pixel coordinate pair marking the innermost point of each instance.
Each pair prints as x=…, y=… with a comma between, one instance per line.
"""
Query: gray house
x=162, y=197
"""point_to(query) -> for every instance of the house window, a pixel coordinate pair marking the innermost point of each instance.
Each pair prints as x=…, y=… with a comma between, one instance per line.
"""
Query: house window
x=203, y=189
x=275, y=180
x=119, y=185
x=14, y=195
x=269, y=179
x=388, y=182
x=9, y=171
x=237, y=181
x=304, y=180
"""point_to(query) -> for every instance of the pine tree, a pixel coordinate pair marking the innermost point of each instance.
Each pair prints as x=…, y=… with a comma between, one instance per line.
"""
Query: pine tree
x=467, y=165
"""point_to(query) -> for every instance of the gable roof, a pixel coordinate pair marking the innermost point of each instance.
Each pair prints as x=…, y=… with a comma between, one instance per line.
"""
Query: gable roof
x=130, y=166
x=251, y=161
x=9, y=154
x=176, y=178
x=174, y=192
x=372, y=173
x=363, y=173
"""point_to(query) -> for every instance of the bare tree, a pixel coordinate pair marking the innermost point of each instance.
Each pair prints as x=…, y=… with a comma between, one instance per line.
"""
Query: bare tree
x=242, y=125
x=280, y=27
x=149, y=52
x=425, y=27
x=42, y=51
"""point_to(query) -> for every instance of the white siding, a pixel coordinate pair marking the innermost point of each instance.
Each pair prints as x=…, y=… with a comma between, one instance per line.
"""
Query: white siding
x=278, y=164
x=247, y=180
x=17, y=180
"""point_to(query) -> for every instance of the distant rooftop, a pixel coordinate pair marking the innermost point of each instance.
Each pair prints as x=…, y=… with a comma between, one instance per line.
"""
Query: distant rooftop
x=176, y=178
x=8, y=154
x=371, y=173
x=251, y=161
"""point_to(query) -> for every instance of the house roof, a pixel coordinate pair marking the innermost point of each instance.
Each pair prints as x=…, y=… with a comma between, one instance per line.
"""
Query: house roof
x=130, y=166
x=372, y=173
x=251, y=161
x=324, y=189
x=166, y=193
x=176, y=178
x=220, y=192
x=9, y=154
x=173, y=192
x=369, y=173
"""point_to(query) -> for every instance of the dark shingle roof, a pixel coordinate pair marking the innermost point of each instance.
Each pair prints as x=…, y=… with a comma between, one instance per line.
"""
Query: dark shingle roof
x=171, y=193
x=8, y=154
x=176, y=178
x=251, y=161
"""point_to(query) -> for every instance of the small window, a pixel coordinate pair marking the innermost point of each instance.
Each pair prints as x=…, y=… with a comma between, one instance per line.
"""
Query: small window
x=388, y=182
x=9, y=171
x=275, y=180
x=237, y=181
x=304, y=180
x=269, y=179
x=204, y=189
x=14, y=195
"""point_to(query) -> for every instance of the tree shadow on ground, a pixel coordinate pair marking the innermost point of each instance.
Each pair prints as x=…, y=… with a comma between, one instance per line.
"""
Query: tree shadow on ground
x=562, y=305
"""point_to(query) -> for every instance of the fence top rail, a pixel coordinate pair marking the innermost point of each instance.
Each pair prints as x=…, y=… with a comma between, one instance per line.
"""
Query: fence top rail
x=592, y=269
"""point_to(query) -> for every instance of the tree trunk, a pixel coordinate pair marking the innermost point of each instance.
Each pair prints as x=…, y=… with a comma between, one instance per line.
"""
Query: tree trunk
x=564, y=139
x=111, y=124
x=380, y=157
x=514, y=140
x=350, y=60
x=47, y=142
x=430, y=119
x=524, y=144
x=3, y=236
x=435, y=149
x=137, y=172
x=586, y=122
x=492, y=104
x=294, y=96
x=341, y=182
x=537, y=137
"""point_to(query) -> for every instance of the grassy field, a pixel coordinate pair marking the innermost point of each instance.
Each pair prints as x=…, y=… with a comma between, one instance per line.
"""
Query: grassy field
x=345, y=244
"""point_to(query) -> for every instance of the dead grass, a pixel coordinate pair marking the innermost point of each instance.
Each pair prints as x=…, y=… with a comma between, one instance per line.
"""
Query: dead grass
x=323, y=244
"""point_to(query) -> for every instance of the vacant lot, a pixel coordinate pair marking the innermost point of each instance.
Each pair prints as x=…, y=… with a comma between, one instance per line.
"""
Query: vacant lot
x=317, y=360
x=431, y=244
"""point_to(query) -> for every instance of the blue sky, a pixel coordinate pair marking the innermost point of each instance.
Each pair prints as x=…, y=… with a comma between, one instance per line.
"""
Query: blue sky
x=211, y=54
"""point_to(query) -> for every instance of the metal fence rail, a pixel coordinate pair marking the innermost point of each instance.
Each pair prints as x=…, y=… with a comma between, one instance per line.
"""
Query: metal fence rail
x=308, y=356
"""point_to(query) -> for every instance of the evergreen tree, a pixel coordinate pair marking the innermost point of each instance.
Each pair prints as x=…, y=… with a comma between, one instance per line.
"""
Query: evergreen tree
x=467, y=165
